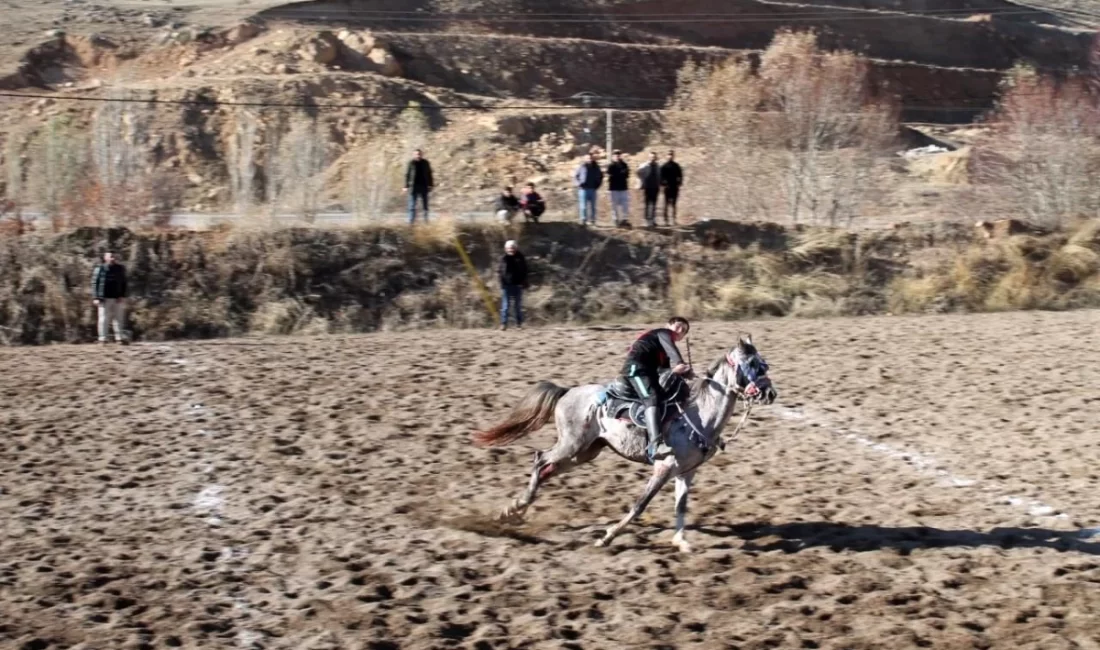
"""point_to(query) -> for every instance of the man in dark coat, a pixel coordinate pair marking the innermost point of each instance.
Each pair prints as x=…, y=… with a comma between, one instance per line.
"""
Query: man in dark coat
x=109, y=293
x=533, y=203
x=588, y=178
x=650, y=176
x=418, y=184
x=672, y=178
x=513, y=280
x=618, y=184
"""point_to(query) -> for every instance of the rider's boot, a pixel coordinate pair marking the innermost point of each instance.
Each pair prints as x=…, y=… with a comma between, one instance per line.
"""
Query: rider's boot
x=653, y=429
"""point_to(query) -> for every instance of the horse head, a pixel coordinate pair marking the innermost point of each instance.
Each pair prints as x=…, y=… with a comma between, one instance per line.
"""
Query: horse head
x=744, y=372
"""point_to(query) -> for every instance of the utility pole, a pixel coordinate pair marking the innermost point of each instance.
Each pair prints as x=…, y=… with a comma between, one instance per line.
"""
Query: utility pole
x=610, y=133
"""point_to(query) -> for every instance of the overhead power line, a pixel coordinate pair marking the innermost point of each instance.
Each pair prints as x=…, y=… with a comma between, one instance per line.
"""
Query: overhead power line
x=628, y=19
x=387, y=107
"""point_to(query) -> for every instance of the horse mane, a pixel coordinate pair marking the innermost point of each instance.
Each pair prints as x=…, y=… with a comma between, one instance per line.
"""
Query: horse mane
x=700, y=382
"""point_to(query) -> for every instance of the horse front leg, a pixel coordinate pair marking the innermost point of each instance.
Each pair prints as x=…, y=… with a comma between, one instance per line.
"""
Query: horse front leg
x=683, y=489
x=661, y=473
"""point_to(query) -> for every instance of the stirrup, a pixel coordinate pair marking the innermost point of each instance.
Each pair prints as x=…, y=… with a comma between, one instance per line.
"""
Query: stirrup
x=651, y=451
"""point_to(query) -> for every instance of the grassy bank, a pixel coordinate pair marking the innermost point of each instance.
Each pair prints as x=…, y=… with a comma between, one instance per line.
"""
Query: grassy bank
x=214, y=284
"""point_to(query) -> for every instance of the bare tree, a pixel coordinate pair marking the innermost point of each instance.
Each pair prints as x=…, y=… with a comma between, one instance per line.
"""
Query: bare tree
x=801, y=135
x=295, y=174
x=241, y=160
x=60, y=169
x=716, y=111
x=14, y=168
x=118, y=135
x=274, y=165
x=1045, y=158
x=374, y=177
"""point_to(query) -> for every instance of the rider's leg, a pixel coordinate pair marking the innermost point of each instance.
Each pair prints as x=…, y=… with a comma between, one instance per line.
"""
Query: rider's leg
x=647, y=391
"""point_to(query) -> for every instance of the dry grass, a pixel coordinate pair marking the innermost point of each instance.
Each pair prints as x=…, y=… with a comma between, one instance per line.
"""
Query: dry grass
x=305, y=280
x=1060, y=271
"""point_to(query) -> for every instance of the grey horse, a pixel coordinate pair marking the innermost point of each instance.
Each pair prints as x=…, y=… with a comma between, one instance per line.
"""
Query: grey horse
x=584, y=430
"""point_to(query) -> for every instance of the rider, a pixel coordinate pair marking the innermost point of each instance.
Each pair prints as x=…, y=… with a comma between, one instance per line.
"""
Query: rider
x=652, y=352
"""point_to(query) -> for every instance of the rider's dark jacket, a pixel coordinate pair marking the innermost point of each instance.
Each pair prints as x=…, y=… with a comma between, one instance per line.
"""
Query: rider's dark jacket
x=651, y=353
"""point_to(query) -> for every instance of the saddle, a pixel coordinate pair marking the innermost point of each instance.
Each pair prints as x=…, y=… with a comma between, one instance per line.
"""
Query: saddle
x=619, y=400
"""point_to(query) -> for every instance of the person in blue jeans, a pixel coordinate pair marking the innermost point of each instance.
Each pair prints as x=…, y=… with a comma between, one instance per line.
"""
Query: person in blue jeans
x=418, y=184
x=513, y=280
x=588, y=178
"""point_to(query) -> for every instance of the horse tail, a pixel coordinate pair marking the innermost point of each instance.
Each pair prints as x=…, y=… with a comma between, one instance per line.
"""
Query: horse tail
x=531, y=414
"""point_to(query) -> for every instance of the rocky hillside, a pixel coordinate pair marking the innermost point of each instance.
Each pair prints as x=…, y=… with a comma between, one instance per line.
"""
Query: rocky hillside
x=943, y=61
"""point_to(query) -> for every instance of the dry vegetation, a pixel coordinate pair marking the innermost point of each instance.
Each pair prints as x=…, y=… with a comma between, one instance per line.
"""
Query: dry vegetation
x=189, y=285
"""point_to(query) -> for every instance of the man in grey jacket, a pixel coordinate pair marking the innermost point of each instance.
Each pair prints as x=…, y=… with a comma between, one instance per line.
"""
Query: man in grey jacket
x=588, y=178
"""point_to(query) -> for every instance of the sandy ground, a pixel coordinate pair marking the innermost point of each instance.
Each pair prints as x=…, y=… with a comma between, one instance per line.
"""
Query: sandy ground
x=923, y=482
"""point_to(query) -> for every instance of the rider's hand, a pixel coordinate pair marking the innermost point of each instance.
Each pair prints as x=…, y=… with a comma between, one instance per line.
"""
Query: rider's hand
x=681, y=369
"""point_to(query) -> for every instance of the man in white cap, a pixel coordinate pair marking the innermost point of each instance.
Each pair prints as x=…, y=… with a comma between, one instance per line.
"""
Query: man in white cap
x=513, y=280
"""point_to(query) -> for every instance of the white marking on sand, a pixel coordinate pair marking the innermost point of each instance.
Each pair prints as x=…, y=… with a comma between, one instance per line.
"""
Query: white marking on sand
x=929, y=466
x=211, y=501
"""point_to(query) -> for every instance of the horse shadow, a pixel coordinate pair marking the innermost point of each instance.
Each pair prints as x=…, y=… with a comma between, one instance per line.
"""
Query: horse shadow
x=798, y=536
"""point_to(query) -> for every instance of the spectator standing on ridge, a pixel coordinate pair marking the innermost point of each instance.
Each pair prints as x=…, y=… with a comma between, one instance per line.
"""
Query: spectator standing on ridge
x=672, y=177
x=618, y=183
x=109, y=296
x=588, y=178
x=650, y=176
x=513, y=280
x=533, y=204
x=418, y=183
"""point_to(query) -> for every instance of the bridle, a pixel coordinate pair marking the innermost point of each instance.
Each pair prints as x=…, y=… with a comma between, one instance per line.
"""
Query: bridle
x=751, y=372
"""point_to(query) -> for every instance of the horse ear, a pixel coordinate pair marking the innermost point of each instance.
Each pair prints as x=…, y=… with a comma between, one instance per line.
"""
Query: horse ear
x=745, y=340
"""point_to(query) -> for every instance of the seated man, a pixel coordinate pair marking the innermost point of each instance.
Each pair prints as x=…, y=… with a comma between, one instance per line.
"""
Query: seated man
x=533, y=204
x=651, y=353
x=507, y=205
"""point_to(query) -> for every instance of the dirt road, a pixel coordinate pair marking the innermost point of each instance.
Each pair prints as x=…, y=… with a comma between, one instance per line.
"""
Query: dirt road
x=925, y=482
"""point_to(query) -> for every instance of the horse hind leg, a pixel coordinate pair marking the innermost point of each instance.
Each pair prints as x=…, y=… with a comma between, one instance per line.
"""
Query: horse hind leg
x=514, y=511
x=547, y=464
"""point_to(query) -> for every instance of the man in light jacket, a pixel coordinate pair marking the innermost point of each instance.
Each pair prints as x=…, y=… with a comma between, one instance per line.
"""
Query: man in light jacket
x=588, y=178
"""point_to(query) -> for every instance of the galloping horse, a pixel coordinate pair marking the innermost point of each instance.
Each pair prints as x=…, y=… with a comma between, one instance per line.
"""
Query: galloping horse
x=585, y=428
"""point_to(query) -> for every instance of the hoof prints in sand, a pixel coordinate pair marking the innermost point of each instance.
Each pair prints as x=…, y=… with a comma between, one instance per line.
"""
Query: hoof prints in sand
x=314, y=502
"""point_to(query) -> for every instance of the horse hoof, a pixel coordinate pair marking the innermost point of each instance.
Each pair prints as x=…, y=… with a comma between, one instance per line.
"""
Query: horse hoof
x=510, y=517
x=601, y=543
x=684, y=547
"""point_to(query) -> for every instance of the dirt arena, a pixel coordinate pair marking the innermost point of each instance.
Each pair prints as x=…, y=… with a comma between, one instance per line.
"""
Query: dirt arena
x=922, y=482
